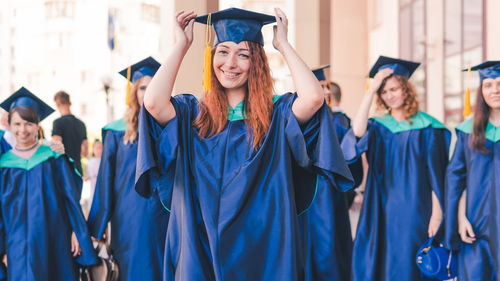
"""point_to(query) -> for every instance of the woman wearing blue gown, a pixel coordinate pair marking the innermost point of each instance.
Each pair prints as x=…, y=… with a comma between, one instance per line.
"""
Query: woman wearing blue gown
x=473, y=184
x=407, y=154
x=42, y=227
x=236, y=167
x=326, y=233
x=138, y=225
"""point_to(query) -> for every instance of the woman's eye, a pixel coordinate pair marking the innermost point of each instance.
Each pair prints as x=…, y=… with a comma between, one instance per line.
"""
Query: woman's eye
x=142, y=88
x=244, y=56
x=222, y=52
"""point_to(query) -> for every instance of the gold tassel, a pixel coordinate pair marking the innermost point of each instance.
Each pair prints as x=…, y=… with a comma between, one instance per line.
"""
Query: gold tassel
x=367, y=84
x=467, y=106
x=207, y=63
x=127, y=98
x=40, y=131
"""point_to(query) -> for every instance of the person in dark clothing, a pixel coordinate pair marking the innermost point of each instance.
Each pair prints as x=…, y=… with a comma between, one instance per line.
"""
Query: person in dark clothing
x=69, y=130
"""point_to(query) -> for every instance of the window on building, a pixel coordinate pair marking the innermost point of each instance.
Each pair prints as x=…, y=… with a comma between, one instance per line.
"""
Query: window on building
x=59, y=9
x=463, y=38
x=412, y=42
x=150, y=13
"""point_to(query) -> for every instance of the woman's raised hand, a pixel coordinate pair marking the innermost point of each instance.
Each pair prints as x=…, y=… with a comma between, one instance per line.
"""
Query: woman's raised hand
x=379, y=77
x=183, y=28
x=280, y=29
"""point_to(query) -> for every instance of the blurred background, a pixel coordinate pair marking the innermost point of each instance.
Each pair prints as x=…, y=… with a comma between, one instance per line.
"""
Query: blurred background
x=80, y=45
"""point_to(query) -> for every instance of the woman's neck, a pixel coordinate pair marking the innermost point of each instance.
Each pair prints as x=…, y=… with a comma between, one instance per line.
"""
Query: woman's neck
x=398, y=114
x=235, y=96
x=26, y=151
x=495, y=117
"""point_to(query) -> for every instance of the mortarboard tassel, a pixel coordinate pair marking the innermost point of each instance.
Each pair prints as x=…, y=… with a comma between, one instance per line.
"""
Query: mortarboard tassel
x=367, y=84
x=40, y=131
x=127, y=98
x=207, y=63
x=467, y=106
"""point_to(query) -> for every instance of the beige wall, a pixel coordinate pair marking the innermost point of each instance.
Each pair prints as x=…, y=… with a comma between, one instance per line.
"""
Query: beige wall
x=349, y=50
x=492, y=32
x=190, y=76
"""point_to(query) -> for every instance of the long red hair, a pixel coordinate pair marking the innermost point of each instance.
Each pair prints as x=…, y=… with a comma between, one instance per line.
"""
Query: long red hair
x=477, y=139
x=132, y=114
x=257, y=104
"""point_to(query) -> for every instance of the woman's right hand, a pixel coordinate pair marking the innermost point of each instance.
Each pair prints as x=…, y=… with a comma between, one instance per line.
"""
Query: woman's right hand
x=379, y=77
x=465, y=230
x=183, y=28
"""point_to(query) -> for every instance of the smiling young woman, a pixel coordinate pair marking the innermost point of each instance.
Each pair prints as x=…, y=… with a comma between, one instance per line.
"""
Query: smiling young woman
x=407, y=154
x=236, y=167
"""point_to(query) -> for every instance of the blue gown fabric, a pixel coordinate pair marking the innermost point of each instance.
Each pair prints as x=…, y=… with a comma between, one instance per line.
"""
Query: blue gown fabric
x=4, y=145
x=326, y=228
x=233, y=209
x=405, y=166
x=479, y=176
x=138, y=225
x=40, y=210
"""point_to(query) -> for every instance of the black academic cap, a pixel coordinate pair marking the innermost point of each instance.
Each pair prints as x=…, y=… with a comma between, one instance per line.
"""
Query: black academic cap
x=237, y=25
x=487, y=69
x=146, y=67
x=320, y=72
x=23, y=97
x=400, y=67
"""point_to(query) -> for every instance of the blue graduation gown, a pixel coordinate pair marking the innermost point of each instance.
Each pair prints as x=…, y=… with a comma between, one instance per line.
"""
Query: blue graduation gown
x=479, y=175
x=406, y=163
x=4, y=145
x=326, y=229
x=138, y=225
x=233, y=209
x=40, y=209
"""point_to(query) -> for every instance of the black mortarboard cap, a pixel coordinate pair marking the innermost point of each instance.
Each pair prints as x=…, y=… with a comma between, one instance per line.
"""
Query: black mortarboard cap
x=487, y=69
x=400, y=67
x=320, y=72
x=146, y=67
x=23, y=97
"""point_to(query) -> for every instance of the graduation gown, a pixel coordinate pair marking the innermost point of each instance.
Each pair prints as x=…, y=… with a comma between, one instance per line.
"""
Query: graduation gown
x=40, y=209
x=407, y=161
x=326, y=229
x=479, y=176
x=234, y=209
x=138, y=225
x=4, y=145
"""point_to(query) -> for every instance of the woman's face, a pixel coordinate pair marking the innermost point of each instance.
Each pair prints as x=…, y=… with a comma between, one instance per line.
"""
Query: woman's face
x=326, y=91
x=491, y=92
x=26, y=133
x=392, y=94
x=231, y=64
x=142, y=86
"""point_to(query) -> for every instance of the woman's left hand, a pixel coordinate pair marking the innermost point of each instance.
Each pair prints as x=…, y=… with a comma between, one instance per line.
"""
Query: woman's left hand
x=75, y=246
x=434, y=224
x=280, y=29
x=57, y=146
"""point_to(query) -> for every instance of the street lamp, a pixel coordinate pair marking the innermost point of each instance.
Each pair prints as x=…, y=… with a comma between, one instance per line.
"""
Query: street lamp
x=106, y=81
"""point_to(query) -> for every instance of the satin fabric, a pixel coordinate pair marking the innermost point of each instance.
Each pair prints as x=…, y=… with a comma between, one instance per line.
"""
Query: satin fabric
x=138, y=225
x=326, y=229
x=40, y=210
x=404, y=169
x=233, y=209
x=479, y=176
x=4, y=145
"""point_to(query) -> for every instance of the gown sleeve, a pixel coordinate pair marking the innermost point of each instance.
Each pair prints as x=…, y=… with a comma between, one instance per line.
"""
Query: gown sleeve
x=158, y=146
x=456, y=181
x=314, y=145
x=3, y=268
x=103, y=201
x=71, y=185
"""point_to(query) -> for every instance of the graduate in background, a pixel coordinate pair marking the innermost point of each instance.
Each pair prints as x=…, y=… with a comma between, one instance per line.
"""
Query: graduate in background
x=237, y=167
x=42, y=228
x=138, y=225
x=326, y=229
x=473, y=184
x=407, y=154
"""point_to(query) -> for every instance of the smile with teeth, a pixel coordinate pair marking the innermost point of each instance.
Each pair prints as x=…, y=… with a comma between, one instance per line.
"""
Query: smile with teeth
x=230, y=74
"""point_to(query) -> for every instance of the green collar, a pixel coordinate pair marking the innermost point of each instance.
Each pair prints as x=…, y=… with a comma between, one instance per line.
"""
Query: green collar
x=237, y=113
x=43, y=153
x=118, y=125
x=418, y=121
x=492, y=132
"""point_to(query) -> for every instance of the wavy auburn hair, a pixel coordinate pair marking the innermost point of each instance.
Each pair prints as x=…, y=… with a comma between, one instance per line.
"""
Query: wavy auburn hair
x=410, y=104
x=477, y=139
x=132, y=114
x=257, y=104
